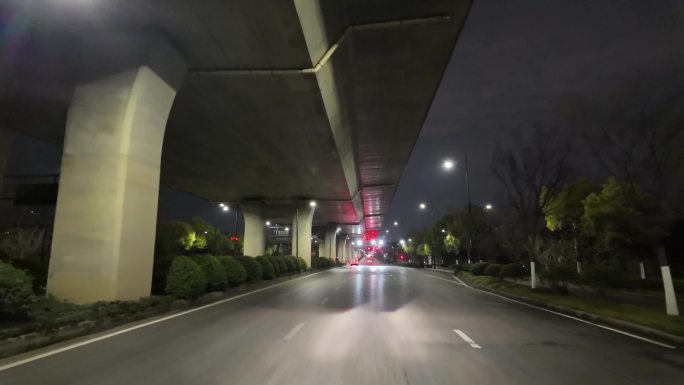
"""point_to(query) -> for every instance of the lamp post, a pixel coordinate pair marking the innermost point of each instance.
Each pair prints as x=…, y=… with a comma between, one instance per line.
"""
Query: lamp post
x=424, y=206
x=449, y=165
x=221, y=207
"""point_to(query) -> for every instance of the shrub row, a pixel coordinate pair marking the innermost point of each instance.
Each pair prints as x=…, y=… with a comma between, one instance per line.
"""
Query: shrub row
x=16, y=292
x=322, y=263
x=511, y=270
x=191, y=277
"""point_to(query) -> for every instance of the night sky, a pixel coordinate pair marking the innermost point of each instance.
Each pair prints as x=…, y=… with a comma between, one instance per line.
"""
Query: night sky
x=516, y=66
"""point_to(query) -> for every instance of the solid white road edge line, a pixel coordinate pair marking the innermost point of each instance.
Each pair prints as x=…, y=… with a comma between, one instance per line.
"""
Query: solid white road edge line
x=294, y=331
x=116, y=333
x=467, y=339
x=571, y=317
x=443, y=279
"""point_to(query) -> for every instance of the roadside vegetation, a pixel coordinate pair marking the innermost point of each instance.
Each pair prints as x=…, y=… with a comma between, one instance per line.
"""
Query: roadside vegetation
x=619, y=229
x=189, y=262
x=597, y=305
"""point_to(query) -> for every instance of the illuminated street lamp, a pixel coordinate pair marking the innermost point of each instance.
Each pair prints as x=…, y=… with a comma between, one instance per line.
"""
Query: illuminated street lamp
x=268, y=223
x=448, y=165
x=312, y=203
x=424, y=206
x=223, y=207
x=396, y=223
x=488, y=206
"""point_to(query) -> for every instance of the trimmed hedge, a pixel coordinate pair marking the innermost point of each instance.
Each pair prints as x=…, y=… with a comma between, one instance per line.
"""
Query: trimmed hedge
x=276, y=266
x=493, y=270
x=559, y=274
x=603, y=277
x=479, y=268
x=16, y=292
x=292, y=263
x=267, y=271
x=302, y=264
x=235, y=272
x=282, y=264
x=513, y=270
x=160, y=269
x=214, y=272
x=253, y=268
x=185, y=278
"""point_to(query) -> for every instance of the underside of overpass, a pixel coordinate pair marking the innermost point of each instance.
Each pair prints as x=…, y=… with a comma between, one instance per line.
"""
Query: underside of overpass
x=277, y=102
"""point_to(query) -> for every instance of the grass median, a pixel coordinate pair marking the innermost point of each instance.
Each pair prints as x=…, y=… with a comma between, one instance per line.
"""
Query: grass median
x=595, y=305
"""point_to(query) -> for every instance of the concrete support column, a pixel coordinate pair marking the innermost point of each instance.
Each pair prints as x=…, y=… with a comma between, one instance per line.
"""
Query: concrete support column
x=322, y=248
x=6, y=138
x=254, y=229
x=105, y=220
x=330, y=238
x=339, y=250
x=301, y=231
x=106, y=212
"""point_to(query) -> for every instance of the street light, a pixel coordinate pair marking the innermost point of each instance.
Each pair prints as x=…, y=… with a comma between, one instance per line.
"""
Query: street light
x=312, y=203
x=396, y=223
x=443, y=231
x=488, y=206
x=268, y=223
x=387, y=231
x=448, y=165
x=423, y=206
x=224, y=207
x=287, y=229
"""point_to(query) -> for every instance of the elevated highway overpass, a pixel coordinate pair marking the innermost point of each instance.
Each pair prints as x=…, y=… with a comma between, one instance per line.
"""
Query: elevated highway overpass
x=267, y=104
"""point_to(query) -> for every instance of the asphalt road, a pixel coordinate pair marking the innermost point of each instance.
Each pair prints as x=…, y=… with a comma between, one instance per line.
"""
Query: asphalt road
x=360, y=325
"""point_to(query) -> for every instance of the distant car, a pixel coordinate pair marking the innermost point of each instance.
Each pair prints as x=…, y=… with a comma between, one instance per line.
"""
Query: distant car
x=369, y=261
x=354, y=262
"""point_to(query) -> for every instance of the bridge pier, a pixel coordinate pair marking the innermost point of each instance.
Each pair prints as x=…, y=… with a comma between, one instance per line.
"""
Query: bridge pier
x=254, y=229
x=6, y=138
x=340, y=250
x=105, y=219
x=301, y=231
x=330, y=238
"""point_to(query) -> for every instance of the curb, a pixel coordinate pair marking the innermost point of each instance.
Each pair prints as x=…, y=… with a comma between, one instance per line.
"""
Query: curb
x=643, y=331
x=35, y=340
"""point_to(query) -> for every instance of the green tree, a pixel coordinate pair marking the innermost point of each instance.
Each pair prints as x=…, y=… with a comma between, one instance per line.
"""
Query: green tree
x=423, y=250
x=473, y=224
x=209, y=238
x=623, y=219
x=174, y=237
x=563, y=212
x=451, y=243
